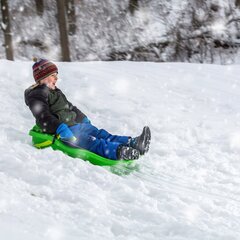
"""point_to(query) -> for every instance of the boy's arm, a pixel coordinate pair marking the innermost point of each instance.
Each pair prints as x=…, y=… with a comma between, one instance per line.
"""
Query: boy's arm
x=37, y=102
x=81, y=117
x=80, y=114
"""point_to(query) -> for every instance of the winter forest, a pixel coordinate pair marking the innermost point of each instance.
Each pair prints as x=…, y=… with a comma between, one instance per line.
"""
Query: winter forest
x=196, y=31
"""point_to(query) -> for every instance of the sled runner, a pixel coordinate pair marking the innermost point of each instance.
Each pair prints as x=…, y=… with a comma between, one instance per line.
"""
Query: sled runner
x=43, y=140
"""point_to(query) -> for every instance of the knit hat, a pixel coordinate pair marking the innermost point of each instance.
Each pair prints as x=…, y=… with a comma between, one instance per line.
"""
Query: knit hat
x=42, y=68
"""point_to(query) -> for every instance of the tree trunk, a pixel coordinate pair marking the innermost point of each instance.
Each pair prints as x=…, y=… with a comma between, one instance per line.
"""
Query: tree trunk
x=70, y=7
x=39, y=7
x=133, y=6
x=61, y=16
x=237, y=3
x=6, y=27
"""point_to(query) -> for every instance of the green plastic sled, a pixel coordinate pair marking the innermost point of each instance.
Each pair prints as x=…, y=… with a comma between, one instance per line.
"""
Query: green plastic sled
x=43, y=140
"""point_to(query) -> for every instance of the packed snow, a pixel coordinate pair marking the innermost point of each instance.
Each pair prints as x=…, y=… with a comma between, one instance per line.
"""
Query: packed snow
x=185, y=188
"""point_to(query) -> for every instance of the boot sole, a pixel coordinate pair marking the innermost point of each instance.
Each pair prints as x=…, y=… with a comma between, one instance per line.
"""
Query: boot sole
x=145, y=140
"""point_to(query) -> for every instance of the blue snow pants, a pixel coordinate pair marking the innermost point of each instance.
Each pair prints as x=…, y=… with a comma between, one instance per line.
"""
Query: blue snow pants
x=97, y=140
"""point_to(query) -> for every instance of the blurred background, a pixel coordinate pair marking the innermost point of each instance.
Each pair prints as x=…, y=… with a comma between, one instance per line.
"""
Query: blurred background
x=198, y=31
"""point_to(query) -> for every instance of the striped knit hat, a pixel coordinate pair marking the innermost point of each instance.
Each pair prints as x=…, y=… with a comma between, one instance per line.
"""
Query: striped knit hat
x=42, y=68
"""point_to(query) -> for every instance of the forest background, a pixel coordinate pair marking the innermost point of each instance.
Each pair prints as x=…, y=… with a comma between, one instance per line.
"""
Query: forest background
x=198, y=31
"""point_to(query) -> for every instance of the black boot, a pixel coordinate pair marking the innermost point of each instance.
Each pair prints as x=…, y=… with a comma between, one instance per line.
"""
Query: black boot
x=127, y=153
x=142, y=142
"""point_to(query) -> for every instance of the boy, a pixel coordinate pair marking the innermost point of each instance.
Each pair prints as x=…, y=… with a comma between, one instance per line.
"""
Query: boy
x=56, y=115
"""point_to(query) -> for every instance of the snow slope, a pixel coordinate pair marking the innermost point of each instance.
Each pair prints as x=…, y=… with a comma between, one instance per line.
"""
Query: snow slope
x=187, y=187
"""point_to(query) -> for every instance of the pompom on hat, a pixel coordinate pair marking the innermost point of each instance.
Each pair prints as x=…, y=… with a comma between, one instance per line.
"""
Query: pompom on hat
x=42, y=68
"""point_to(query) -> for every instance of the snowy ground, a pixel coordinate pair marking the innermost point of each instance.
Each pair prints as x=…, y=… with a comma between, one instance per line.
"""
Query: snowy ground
x=187, y=187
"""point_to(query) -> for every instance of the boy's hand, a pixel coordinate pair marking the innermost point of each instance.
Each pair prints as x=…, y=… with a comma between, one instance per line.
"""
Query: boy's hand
x=65, y=133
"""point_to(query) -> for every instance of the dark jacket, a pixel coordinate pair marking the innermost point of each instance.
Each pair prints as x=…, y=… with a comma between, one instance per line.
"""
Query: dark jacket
x=51, y=108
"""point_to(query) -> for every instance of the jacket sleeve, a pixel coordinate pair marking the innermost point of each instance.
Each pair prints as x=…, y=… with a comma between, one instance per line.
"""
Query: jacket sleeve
x=80, y=114
x=37, y=100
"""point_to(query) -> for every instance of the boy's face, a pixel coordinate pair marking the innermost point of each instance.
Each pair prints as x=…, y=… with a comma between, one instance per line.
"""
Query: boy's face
x=50, y=81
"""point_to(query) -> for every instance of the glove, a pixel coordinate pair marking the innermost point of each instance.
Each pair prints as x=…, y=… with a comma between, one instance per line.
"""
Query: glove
x=85, y=120
x=64, y=132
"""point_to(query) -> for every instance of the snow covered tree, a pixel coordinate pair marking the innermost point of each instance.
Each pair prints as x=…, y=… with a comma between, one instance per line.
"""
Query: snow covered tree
x=237, y=3
x=39, y=7
x=133, y=6
x=202, y=32
x=71, y=16
x=61, y=16
x=6, y=27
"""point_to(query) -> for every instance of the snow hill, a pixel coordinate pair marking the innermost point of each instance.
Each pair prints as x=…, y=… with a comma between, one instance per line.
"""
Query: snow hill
x=185, y=188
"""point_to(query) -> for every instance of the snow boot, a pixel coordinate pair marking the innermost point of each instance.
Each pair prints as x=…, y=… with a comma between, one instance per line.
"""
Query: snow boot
x=127, y=153
x=142, y=142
